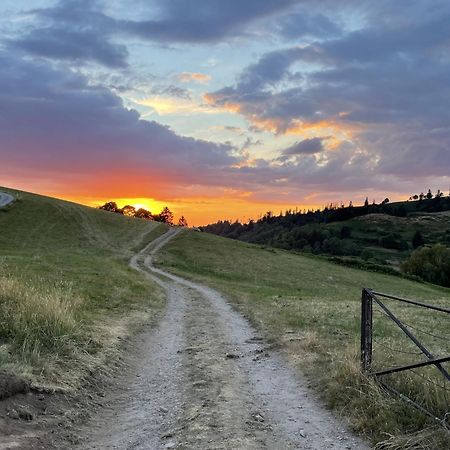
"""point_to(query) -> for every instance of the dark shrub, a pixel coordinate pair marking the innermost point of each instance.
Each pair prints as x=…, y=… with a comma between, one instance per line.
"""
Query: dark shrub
x=431, y=264
x=417, y=240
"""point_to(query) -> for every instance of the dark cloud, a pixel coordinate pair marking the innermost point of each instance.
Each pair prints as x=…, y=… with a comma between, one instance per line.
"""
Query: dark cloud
x=190, y=21
x=305, y=147
x=72, y=45
x=73, y=30
x=303, y=23
x=269, y=70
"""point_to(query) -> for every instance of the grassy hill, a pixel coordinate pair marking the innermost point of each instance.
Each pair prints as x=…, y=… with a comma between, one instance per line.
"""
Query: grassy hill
x=66, y=291
x=375, y=237
x=381, y=240
x=310, y=308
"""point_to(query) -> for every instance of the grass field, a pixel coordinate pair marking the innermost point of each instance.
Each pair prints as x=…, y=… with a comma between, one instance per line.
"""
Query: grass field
x=311, y=309
x=66, y=291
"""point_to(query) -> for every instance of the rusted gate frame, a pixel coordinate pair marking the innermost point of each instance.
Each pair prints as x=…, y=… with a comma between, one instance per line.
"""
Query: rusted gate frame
x=366, y=341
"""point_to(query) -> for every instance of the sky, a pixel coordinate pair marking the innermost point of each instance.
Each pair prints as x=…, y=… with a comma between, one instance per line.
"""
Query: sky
x=225, y=109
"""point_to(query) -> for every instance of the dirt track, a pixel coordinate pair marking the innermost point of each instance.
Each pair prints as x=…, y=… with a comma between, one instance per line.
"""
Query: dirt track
x=203, y=379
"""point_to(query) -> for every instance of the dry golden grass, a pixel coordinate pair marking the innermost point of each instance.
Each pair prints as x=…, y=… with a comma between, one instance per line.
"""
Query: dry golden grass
x=37, y=319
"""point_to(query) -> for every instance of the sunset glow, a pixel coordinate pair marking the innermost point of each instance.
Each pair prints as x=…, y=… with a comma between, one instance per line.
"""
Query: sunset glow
x=225, y=111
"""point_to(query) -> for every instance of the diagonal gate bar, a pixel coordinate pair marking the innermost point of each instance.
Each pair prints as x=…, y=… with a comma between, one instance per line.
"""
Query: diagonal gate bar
x=427, y=353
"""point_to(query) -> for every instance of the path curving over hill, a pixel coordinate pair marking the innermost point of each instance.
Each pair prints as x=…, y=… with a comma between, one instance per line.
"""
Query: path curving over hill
x=204, y=379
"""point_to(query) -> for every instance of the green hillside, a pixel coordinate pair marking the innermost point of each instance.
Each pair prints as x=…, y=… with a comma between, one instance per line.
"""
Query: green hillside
x=378, y=241
x=310, y=308
x=66, y=291
x=375, y=237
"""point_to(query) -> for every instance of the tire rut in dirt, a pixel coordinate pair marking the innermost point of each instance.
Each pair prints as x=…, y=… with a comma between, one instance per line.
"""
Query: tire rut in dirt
x=220, y=412
x=144, y=404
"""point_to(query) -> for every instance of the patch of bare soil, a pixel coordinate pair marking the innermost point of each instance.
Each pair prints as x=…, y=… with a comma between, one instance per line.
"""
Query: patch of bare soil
x=11, y=384
x=36, y=420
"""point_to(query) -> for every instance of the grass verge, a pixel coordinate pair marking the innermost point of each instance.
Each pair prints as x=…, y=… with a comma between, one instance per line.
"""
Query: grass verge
x=311, y=309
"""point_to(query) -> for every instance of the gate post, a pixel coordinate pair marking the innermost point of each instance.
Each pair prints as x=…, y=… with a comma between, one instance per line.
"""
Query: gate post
x=366, y=330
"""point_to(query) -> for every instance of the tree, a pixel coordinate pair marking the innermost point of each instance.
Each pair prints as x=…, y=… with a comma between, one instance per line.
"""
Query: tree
x=129, y=210
x=421, y=196
x=182, y=222
x=366, y=203
x=417, y=240
x=143, y=214
x=385, y=201
x=429, y=194
x=166, y=216
x=110, y=206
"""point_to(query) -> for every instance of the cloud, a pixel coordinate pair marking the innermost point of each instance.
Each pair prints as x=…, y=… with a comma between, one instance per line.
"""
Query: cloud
x=304, y=23
x=305, y=147
x=80, y=30
x=53, y=122
x=180, y=21
x=72, y=45
x=73, y=30
x=56, y=126
x=383, y=87
x=189, y=77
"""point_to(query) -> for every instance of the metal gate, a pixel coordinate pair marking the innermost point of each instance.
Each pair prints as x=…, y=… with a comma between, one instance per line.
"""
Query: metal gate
x=375, y=302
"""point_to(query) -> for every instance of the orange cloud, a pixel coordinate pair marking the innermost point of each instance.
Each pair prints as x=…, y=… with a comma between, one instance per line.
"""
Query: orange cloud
x=333, y=126
x=324, y=127
x=189, y=77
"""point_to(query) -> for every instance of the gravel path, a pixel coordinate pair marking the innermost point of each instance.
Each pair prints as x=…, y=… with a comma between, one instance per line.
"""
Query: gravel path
x=204, y=379
x=5, y=199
